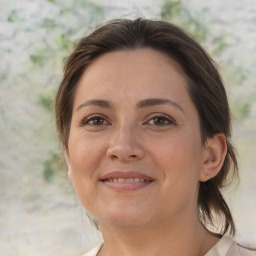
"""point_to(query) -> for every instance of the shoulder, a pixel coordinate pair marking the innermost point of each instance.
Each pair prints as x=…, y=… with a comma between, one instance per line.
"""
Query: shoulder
x=94, y=251
x=227, y=246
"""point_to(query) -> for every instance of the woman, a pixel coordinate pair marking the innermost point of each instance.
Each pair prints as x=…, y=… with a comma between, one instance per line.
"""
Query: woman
x=145, y=124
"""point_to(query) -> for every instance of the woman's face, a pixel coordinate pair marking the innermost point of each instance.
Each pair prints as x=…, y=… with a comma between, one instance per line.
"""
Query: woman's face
x=134, y=152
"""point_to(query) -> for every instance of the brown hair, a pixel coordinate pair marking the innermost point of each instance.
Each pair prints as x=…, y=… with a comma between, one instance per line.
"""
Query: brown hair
x=205, y=88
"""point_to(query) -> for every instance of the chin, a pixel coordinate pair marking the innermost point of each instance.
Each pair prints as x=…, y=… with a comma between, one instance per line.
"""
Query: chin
x=124, y=222
x=125, y=218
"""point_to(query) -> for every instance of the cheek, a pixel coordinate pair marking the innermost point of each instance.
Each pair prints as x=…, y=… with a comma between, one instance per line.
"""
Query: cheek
x=179, y=157
x=180, y=164
x=84, y=157
x=84, y=154
x=83, y=162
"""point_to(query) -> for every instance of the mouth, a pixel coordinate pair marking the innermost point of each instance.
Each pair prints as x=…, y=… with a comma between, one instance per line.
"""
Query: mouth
x=129, y=180
x=126, y=181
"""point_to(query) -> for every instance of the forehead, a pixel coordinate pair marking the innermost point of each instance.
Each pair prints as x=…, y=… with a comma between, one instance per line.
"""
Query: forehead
x=143, y=70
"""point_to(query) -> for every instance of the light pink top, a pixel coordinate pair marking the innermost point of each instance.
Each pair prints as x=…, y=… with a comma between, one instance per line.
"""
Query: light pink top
x=228, y=247
x=225, y=247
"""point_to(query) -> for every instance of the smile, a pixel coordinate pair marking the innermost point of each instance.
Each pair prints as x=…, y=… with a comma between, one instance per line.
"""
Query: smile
x=126, y=180
x=129, y=180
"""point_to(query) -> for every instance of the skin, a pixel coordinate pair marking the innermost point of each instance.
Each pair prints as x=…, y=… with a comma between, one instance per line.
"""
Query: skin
x=160, y=140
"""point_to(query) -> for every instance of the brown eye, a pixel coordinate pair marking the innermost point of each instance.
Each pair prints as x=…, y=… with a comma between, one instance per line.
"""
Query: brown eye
x=95, y=121
x=160, y=121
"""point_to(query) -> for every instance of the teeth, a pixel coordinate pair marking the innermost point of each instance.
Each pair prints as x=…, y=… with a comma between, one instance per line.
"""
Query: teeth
x=129, y=180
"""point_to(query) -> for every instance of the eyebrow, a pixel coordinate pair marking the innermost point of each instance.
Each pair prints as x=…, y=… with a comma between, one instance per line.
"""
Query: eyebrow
x=142, y=104
x=158, y=101
x=95, y=102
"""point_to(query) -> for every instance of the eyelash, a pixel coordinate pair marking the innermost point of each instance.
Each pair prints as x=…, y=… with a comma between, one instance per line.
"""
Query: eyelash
x=89, y=119
x=169, y=120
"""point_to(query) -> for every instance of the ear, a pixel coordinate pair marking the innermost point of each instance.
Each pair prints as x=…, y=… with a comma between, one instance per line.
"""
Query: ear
x=70, y=174
x=214, y=154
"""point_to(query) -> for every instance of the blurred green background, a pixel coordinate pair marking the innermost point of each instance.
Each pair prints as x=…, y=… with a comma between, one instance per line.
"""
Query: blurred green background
x=39, y=212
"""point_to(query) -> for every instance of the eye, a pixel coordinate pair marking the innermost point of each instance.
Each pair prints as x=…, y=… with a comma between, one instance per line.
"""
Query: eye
x=160, y=120
x=95, y=121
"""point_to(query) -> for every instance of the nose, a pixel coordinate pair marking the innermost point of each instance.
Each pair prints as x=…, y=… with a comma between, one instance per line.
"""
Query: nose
x=124, y=145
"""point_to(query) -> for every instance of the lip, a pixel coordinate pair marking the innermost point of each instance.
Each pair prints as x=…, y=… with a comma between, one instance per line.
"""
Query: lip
x=126, y=175
x=126, y=186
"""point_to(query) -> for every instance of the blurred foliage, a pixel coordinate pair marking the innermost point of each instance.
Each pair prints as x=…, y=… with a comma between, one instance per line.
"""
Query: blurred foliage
x=175, y=11
x=171, y=9
x=44, y=34
x=199, y=24
x=243, y=109
x=52, y=166
x=3, y=76
x=46, y=100
x=64, y=39
x=14, y=16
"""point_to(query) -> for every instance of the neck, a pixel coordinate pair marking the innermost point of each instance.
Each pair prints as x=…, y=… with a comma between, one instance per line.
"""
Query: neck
x=167, y=238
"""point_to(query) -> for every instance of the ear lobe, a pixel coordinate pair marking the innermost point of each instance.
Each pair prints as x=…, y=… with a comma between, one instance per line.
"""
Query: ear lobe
x=213, y=156
x=70, y=174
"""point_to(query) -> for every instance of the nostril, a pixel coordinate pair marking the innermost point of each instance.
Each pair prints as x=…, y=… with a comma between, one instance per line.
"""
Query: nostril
x=125, y=152
x=114, y=156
